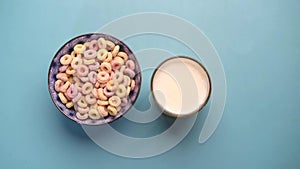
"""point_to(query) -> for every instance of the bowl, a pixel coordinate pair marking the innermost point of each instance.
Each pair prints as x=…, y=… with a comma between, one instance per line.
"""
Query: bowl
x=67, y=48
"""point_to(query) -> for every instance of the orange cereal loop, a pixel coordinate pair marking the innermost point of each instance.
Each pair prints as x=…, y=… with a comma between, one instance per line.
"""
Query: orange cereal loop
x=62, y=76
x=115, y=51
x=58, y=84
x=105, y=66
x=103, y=111
x=65, y=87
x=66, y=59
x=70, y=70
x=101, y=94
x=132, y=85
x=110, y=45
x=123, y=55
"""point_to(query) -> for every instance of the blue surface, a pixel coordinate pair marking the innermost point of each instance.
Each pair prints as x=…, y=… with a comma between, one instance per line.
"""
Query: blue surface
x=258, y=43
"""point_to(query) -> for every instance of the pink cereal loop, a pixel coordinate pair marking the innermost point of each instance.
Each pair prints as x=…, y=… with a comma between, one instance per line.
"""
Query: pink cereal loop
x=72, y=92
x=103, y=77
x=115, y=65
x=58, y=84
x=82, y=70
x=124, y=101
x=63, y=68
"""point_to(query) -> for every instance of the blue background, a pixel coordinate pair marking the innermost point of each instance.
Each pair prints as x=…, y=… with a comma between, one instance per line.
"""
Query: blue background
x=258, y=43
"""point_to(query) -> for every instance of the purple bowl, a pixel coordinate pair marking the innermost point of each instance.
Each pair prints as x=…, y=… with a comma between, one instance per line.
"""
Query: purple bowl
x=66, y=49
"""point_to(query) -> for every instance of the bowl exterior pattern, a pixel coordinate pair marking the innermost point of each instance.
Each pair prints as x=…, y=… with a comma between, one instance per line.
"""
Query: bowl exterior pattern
x=66, y=49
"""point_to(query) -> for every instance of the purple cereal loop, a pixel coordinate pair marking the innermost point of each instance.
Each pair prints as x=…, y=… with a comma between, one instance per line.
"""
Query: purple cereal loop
x=90, y=54
x=108, y=93
x=75, y=99
x=124, y=101
x=92, y=77
x=63, y=68
x=82, y=70
x=94, y=45
x=129, y=72
x=130, y=64
x=72, y=91
x=94, y=66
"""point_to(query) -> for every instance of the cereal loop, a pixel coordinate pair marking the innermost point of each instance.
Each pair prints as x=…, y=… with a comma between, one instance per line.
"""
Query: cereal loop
x=101, y=94
x=82, y=70
x=76, y=62
x=92, y=77
x=101, y=43
x=115, y=51
x=123, y=55
x=129, y=72
x=103, y=77
x=130, y=64
x=105, y=66
x=115, y=65
x=72, y=91
x=108, y=58
x=83, y=110
x=121, y=91
x=58, y=84
x=103, y=111
x=66, y=59
x=62, y=98
x=89, y=61
x=82, y=116
x=90, y=99
x=107, y=93
x=81, y=102
x=70, y=71
x=110, y=45
x=87, y=88
x=79, y=48
x=102, y=54
x=102, y=102
x=90, y=54
x=118, y=77
x=94, y=66
x=62, y=76
x=93, y=114
x=112, y=110
x=114, y=101
x=93, y=45
x=112, y=85
x=62, y=68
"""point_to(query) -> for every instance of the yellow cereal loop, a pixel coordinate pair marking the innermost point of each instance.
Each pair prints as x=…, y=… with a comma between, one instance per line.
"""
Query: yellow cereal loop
x=102, y=102
x=108, y=58
x=87, y=88
x=118, y=108
x=115, y=51
x=86, y=44
x=66, y=59
x=120, y=60
x=114, y=101
x=102, y=54
x=101, y=43
x=82, y=116
x=76, y=62
x=122, y=68
x=88, y=61
x=118, y=76
x=121, y=91
x=132, y=85
x=126, y=80
x=128, y=91
x=93, y=114
x=79, y=48
x=69, y=104
x=112, y=85
x=123, y=55
x=62, y=98
x=81, y=102
x=112, y=110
